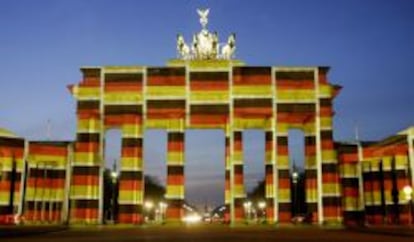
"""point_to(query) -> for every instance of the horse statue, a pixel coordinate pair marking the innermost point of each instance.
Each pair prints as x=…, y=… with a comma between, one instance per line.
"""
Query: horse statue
x=194, y=47
x=228, y=49
x=182, y=48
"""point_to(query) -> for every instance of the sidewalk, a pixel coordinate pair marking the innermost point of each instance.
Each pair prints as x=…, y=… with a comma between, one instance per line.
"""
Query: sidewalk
x=392, y=230
x=27, y=230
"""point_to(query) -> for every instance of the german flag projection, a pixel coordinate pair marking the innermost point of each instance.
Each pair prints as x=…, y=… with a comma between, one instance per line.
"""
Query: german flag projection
x=270, y=178
x=227, y=189
x=385, y=173
x=11, y=168
x=224, y=94
x=123, y=109
x=204, y=95
x=85, y=190
x=175, y=175
x=237, y=186
x=351, y=181
x=46, y=188
x=209, y=86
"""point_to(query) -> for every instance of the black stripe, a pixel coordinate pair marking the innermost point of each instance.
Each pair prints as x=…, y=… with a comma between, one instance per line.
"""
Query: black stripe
x=259, y=102
x=325, y=102
x=209, y=76
x=123, y=109
x=295, y=75
x=175, y=170
x=237, y=135
x=210, y=109
x=85, y=170
x=310, y=174
x=238, y=169
x=283, y=174
x=164, y=104
x=131, y=142
x=252, y=70
x=285, y=207
x=175, y=203
x=11, y=142
x=346, y=148
x=268, y=169
x=131, y=175
x=88, y=104
x=87, y=137
x=129, y=208
x=282, y=140
x=91, y=72
x=326, y=135
x=330, y=168
x=165, y=71
x=295, y=108
x=310, y=140
x=123, y=77
x=176, y=136
x=312, y=207
x=350, y=182
x=86, y=203
x=331, y=201
x=268, y=136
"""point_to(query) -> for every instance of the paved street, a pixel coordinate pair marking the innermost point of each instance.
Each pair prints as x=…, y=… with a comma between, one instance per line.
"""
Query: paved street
x=210, y=233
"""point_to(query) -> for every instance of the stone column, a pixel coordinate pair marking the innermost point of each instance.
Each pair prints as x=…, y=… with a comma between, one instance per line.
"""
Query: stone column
x=131, y=184
x=175, y=176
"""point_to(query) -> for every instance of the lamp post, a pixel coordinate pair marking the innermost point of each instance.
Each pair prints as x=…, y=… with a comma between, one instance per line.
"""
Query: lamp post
x=148, y=206
x=163, y=208
x=247, y=208
x=114, y=176
x=408, y=192
x=295, y=176
x=262, y=206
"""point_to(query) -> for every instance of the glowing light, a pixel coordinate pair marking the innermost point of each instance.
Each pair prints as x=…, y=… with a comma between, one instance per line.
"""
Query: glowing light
x=408, y=191
x=247, y=204
x=262, y=205
x=163, y=205
x=114, y=174
x=148, y=205
x=192, y=218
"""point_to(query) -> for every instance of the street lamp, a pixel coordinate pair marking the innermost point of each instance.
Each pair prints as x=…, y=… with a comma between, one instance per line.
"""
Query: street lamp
x=148, y=206
x=408, y=192
x=114, y=176
x=262, y=206
x=295, y=176
x=163, y=209
x=247, y=208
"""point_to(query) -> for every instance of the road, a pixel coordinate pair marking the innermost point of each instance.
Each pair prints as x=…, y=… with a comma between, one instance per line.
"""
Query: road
x=208, y=233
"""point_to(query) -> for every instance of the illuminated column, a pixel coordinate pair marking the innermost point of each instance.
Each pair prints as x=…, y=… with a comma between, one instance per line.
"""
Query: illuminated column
x=367, y=177
x=227, y=193
x=331, y=194
x=311, y=188
x=237, y=185
x=387, y=188
x=86, y=189
x=270, y=181
x=410, y=171
x=400, y=171
x=11, y=167
x=131, y=186
x=86, y=170
x=175, y=175
x=377, y=185
x=283, y=176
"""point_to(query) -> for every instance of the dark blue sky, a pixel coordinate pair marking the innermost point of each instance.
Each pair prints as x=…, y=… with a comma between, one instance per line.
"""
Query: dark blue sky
x=369, y=45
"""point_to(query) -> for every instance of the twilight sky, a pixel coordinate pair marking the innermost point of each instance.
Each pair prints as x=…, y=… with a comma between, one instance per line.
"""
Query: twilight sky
x=369, y=45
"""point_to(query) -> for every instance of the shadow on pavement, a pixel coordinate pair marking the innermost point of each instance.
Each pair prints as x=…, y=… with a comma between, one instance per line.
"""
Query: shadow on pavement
x=19, y=231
